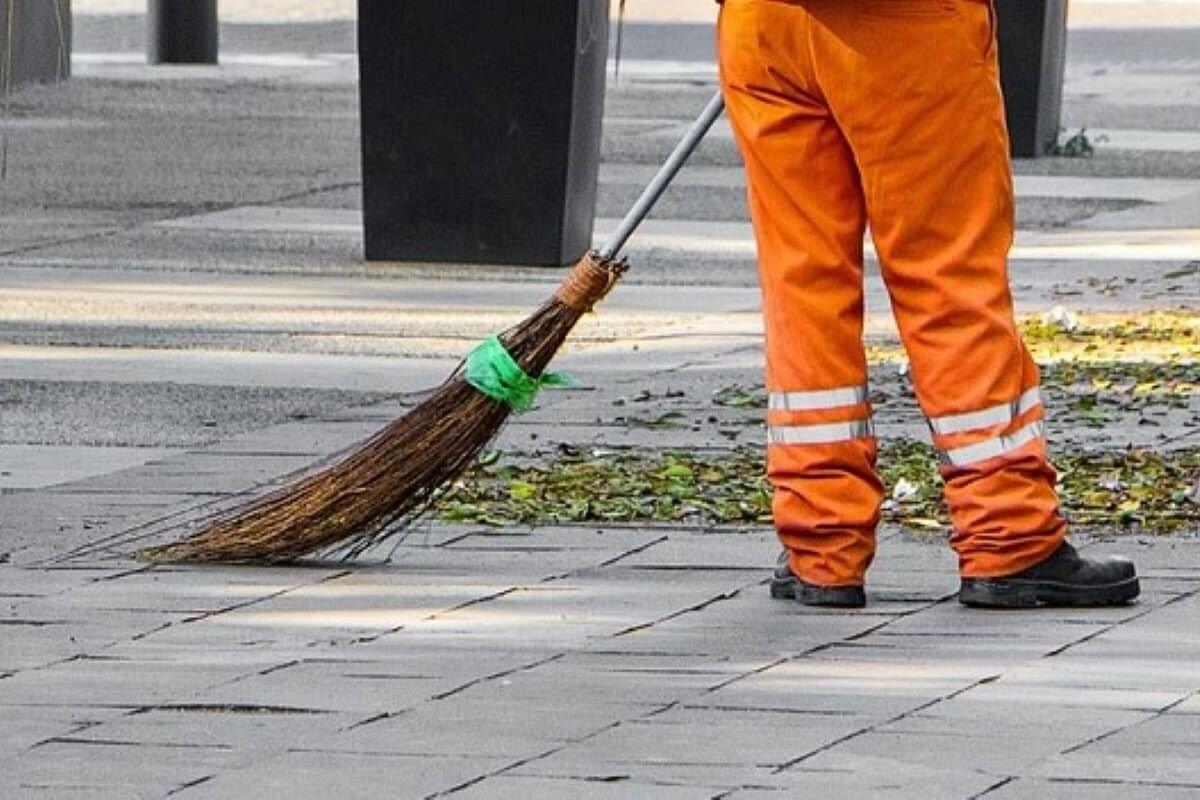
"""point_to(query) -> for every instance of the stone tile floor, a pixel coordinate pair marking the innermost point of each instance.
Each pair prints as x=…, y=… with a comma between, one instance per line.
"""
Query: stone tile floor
x=583, y=662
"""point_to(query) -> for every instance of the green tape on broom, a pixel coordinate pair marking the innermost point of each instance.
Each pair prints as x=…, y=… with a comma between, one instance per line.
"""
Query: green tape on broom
x=491, y=370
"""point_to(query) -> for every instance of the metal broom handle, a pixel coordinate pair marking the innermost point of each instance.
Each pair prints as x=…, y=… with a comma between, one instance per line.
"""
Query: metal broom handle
x=663, y=178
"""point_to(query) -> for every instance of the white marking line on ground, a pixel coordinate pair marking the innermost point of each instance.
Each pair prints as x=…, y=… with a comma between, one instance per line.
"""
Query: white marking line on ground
x=733, y=238
x=651, y=70
x=1152, y=190
x=727, y=238
x=271, y=219
x=1102, y=138
x=1134, y=67
x=222, y=368
x=1145, y=140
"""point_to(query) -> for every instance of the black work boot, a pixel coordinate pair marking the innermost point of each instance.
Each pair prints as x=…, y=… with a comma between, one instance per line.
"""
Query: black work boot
x=1064, y=579
x=785, y=585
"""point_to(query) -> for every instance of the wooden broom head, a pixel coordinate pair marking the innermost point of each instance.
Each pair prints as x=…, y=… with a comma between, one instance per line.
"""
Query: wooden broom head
x=376, y=489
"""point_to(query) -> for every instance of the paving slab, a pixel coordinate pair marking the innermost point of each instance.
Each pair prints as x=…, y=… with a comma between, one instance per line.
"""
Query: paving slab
x=494, y=726
x=39, y=466
x=318, y=774
x=748, y=738
x=1099, y=789
x=516, y=787
x=1190, y=706
x=1005, y=753
x=701, y=779
x=25, y=726
x=339, y=689
x=258, y=731
x=34, y=530
x=880, y=776
x=1056, y=729
x=1169, y=764
x=114, y=681
x=115, y=768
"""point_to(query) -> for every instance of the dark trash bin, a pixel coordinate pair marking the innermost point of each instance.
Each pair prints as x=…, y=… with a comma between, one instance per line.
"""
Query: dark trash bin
x=481, y=128
x=38, y=48
x=1033, y=50
x=181, y=32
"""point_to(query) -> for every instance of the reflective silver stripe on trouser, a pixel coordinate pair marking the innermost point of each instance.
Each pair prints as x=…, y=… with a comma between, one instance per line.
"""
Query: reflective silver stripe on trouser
x=996, y=415
x=826, y=433
x=1000, y=446
x=817, y=400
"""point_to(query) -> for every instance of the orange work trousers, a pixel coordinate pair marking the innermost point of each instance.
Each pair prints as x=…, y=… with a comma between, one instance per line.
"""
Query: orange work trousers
x=887, y=112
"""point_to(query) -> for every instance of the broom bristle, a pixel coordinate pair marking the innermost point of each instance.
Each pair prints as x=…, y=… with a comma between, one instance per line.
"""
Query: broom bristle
x=369, y=494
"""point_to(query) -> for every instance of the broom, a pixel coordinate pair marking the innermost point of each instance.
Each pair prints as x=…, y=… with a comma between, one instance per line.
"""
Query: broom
x=390, y=478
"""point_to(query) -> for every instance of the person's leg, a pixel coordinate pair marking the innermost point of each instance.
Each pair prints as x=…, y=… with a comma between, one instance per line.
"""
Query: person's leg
x=809, y=220
x=915, y=85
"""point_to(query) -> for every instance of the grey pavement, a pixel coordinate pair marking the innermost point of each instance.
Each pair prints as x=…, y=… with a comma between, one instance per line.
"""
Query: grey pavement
x=185, y=318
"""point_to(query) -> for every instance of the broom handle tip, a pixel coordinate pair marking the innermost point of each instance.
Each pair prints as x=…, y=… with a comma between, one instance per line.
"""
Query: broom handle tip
x=663, y=177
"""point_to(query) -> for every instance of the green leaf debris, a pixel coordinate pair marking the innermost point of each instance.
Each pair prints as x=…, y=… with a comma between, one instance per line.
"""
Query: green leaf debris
x=1098, y=370
x=1132, y=489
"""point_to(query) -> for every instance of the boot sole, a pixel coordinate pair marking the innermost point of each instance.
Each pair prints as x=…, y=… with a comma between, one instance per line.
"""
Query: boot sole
x=819, y=596
x=1012, y=593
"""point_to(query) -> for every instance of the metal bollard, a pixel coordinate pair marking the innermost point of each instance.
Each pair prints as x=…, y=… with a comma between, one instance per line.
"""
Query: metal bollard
x=1033, y=49
x=181, y=31
x=38, y=48
x=481, y=128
